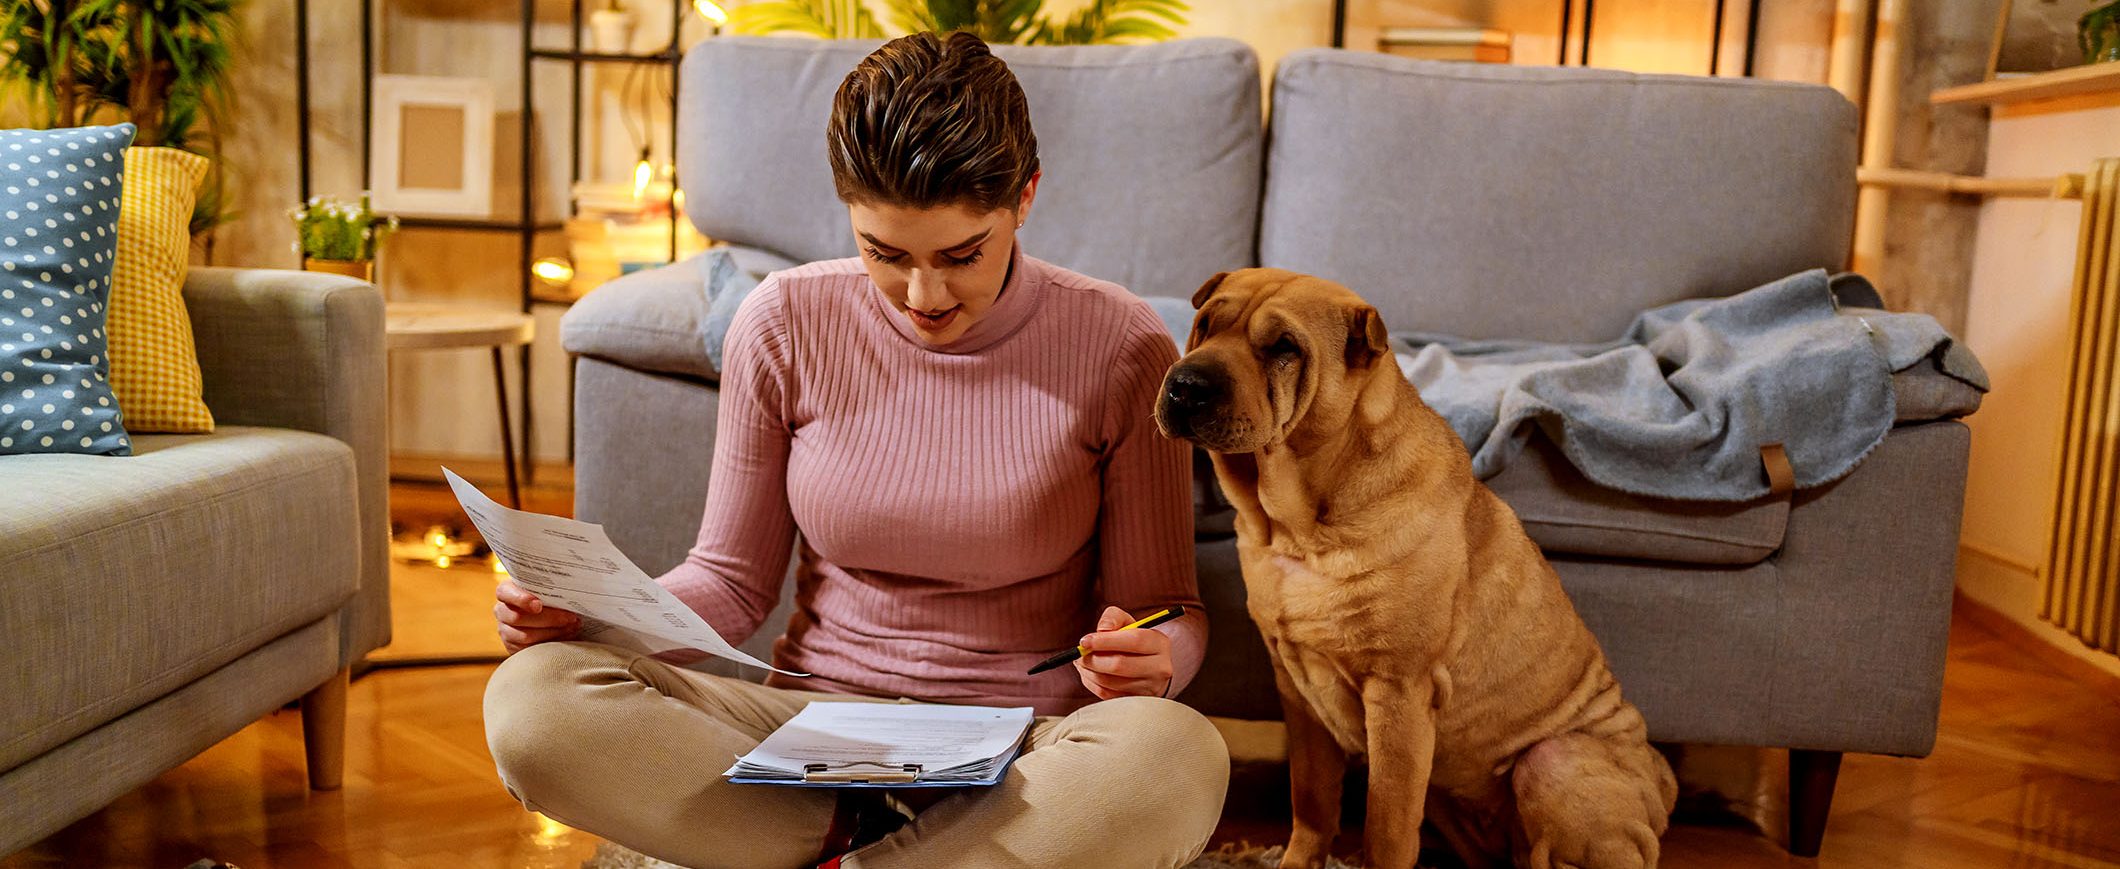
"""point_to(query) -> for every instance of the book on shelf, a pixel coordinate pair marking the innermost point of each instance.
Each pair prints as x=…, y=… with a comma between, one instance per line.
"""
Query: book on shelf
x=1469, y=44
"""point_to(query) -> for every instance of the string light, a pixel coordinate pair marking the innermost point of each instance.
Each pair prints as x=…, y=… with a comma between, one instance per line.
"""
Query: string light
x=711, y=11
x=550, y=831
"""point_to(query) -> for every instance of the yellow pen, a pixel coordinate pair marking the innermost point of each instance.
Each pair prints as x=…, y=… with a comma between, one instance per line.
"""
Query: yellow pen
x=1158, y=618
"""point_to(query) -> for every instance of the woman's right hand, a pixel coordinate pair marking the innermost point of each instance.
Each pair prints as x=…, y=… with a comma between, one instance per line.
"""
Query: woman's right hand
x=525, y=621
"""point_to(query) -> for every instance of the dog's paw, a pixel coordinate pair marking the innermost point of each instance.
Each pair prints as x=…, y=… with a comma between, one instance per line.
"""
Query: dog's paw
x=1637, y=849
x=1305, y=852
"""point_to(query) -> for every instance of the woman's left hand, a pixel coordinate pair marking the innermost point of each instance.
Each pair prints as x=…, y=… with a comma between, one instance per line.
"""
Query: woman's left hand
x=1124, y=663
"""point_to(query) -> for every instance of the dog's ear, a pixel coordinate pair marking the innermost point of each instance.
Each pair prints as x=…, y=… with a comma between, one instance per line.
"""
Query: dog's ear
x=1365, y=337
x=1206, y=290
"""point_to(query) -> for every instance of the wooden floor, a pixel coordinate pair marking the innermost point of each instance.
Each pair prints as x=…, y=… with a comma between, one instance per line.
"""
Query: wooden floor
x=2026, y=773
x=446, y=613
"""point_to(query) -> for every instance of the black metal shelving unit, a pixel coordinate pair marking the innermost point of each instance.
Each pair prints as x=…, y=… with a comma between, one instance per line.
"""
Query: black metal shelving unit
x=1568, y=29
x=1715, y=34
x=526, y=225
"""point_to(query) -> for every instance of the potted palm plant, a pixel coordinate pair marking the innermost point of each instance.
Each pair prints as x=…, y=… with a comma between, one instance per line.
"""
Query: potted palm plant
x=1021, y=22
x=161, y=64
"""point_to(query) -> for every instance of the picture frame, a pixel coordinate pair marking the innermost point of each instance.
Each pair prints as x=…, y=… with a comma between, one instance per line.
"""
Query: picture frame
x=433, y=146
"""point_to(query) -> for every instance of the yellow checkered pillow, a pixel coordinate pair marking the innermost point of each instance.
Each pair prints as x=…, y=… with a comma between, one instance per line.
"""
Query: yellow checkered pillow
x=154, y=367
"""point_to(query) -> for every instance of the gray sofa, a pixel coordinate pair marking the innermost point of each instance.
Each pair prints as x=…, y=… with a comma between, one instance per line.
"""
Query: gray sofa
x=155, y=604
x=1515, y=202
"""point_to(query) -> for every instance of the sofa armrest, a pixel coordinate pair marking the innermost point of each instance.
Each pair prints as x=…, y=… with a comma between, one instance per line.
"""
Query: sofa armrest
x=650, y=320
x=304, y=350
x=655, y=319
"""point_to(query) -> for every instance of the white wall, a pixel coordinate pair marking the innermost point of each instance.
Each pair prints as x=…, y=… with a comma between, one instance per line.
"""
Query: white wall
x=2017, y=322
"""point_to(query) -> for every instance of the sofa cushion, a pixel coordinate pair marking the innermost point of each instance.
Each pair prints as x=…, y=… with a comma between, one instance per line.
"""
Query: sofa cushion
x=154, y=361
x=1543, y=203
x=663, y=319
x=1566, y=513
x=59, y=195
x=1151, y=153
x=128, y=577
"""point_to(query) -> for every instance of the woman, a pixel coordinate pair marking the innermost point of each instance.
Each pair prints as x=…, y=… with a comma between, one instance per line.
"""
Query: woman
x=962, y=436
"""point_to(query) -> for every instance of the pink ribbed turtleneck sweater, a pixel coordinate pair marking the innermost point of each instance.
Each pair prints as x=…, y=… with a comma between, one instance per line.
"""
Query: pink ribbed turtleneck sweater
x=966, y=509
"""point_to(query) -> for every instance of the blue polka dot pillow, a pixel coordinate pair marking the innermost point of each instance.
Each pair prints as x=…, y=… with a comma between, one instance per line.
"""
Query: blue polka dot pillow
x=58, y=237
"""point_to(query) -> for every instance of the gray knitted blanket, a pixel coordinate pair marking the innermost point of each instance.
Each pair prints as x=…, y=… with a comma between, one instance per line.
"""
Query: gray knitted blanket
x=1679, y=406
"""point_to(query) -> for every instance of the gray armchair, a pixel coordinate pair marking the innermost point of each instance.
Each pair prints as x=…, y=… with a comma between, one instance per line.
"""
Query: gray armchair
x=155, y=604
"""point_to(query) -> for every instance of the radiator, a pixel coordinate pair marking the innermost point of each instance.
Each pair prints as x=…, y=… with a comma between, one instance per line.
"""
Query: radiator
x=2083, y=558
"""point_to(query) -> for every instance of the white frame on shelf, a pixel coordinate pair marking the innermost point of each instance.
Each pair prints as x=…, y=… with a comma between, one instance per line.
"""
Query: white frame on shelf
x=474, y=97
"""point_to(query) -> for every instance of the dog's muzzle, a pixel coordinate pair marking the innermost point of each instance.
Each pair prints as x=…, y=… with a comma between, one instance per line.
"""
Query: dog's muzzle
x=1190, y=393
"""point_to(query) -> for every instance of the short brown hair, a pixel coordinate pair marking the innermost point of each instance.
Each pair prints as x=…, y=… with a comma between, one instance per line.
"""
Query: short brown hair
x=931, y=120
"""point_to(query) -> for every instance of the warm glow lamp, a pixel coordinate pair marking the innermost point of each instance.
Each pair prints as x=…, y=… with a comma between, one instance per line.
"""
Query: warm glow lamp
x=554, y=271
x=643, y=172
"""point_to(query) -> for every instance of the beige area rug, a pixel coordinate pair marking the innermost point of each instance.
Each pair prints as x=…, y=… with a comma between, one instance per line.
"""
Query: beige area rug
x=609, y=856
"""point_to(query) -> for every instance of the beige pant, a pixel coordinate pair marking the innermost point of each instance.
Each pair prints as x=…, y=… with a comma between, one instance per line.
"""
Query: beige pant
x=632, y=749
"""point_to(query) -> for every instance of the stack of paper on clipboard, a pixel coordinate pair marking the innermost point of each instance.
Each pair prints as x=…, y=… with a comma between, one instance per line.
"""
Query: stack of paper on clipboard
x=887, y=745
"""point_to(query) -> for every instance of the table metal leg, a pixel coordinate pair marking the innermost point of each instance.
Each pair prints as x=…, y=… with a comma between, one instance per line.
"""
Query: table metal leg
x=529, y=424
x=500, y=387
x=574, y=365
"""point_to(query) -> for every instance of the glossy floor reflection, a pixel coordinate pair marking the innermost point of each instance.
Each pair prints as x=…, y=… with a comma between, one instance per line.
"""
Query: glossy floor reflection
x=2026, y=773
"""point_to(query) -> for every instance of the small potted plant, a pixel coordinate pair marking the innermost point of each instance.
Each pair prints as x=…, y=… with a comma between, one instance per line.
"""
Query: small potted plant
x=611, y=28
x=339, y=237
x=2098, y=32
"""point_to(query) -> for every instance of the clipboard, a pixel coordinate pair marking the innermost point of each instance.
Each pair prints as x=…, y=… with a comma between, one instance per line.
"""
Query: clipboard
x=887, y=745
x=870, y=774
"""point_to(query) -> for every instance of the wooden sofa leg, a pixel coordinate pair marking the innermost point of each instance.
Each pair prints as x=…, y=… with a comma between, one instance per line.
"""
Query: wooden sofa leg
x=324, y=732
x=1811, y=777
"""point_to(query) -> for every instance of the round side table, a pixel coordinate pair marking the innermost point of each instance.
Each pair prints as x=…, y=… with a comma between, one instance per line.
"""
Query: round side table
x=430, y=326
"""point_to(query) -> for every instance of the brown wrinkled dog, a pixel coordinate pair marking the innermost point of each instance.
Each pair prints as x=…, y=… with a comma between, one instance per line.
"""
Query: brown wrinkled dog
x=1408, y=616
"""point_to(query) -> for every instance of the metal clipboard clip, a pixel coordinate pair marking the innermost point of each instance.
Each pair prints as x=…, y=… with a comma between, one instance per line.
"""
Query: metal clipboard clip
x=873, y=772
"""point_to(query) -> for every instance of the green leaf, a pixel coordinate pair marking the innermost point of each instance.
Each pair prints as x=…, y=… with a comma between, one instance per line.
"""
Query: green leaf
x=1135, y=28
x=779, y=16
x=1112, y=21
x=912, y=16
x=1172, y=11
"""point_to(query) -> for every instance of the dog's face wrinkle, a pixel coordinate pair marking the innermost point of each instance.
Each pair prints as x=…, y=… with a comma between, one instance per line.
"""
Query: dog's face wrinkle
x=1334, y=387
x=1203, y=325
x=1277, y=392
x=1284, y=376
x=1289, y=363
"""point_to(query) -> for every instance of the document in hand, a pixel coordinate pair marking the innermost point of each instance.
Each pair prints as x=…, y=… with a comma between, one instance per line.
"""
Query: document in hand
x=887, y=745
x=573, y=566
